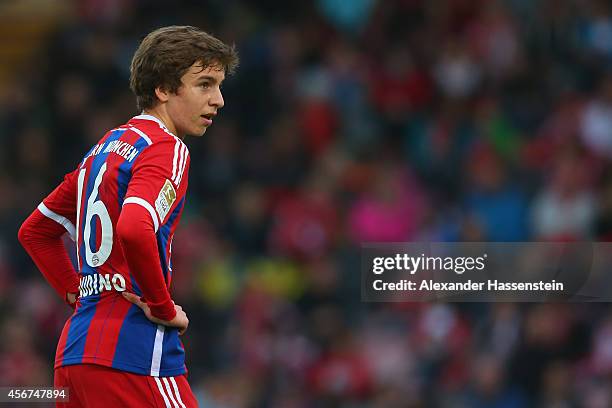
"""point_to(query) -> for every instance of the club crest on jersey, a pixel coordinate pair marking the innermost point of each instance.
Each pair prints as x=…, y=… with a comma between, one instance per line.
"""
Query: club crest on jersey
x=165, y=199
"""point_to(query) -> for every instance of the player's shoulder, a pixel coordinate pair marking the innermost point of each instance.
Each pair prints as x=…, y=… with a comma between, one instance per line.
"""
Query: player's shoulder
x=159, y=138
x=152, y=130
x=161, y=143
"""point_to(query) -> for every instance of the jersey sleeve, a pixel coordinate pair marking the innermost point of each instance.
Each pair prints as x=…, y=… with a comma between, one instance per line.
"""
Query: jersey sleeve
x=157, y=182
x=41, y=233
x=60, y=205
x=156, y=186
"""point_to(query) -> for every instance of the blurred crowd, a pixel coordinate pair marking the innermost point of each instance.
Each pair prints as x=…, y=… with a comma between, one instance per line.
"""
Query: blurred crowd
x=347, y=122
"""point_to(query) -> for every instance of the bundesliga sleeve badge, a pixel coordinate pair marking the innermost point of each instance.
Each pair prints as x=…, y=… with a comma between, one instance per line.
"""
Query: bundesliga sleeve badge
x=165, y=199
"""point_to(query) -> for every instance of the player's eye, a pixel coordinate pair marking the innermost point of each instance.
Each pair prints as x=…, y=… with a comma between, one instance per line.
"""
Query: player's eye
x=205, y=85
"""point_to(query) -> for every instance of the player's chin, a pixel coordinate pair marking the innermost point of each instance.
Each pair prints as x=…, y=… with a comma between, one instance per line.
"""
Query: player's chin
x=200, y=131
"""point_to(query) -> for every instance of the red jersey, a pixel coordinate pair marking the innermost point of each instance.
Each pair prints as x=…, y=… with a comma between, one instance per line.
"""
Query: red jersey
x=139, y=163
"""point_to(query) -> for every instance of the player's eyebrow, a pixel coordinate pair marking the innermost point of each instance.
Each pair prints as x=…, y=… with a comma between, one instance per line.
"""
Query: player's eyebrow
x=208, y=78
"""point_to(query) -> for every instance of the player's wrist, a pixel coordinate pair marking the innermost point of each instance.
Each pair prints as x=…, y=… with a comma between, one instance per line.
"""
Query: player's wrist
x=164, y=311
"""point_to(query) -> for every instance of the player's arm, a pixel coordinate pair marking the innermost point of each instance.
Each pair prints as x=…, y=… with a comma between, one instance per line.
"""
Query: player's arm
x=137, y=227
x=41, y=236
x=136, y=233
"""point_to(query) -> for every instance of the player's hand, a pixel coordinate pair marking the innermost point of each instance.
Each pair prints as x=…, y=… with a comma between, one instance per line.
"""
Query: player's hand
x=180, y=321
x=72, y=298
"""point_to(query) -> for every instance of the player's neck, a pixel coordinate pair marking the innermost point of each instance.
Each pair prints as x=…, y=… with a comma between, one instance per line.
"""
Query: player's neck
x=164, y=118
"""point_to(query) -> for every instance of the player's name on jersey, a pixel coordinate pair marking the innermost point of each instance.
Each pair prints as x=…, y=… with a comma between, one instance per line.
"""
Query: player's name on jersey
x=96, y=283
x=119, y=147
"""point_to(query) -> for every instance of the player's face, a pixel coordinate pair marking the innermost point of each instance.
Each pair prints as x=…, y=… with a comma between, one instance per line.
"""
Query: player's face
x=197, y=100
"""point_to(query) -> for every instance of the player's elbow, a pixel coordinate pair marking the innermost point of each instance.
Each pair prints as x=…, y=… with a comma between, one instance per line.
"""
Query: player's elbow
x=25, y=233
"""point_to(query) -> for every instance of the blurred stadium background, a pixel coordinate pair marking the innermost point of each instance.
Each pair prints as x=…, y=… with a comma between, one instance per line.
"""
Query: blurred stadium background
x=348, y=121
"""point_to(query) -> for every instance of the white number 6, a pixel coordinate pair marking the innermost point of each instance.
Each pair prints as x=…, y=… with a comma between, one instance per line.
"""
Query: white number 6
x=92, y=208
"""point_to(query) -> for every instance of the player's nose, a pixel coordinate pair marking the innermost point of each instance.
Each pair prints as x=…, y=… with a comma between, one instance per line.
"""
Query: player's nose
x=217, y=99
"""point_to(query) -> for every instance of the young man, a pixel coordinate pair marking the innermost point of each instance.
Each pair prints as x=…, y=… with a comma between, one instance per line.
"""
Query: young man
x=121, y=206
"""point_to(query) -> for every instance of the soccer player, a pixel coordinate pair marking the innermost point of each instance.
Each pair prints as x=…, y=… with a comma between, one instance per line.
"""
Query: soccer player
x=121, y=206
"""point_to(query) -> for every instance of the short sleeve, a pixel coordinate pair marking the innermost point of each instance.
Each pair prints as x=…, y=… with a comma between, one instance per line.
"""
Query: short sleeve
x=159, y=179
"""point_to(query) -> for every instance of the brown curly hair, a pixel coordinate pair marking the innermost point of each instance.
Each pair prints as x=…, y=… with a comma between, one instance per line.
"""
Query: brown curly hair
x=165, y=54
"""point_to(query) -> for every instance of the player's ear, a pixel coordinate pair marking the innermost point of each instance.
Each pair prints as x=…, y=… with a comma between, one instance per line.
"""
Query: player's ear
x=162, y=94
